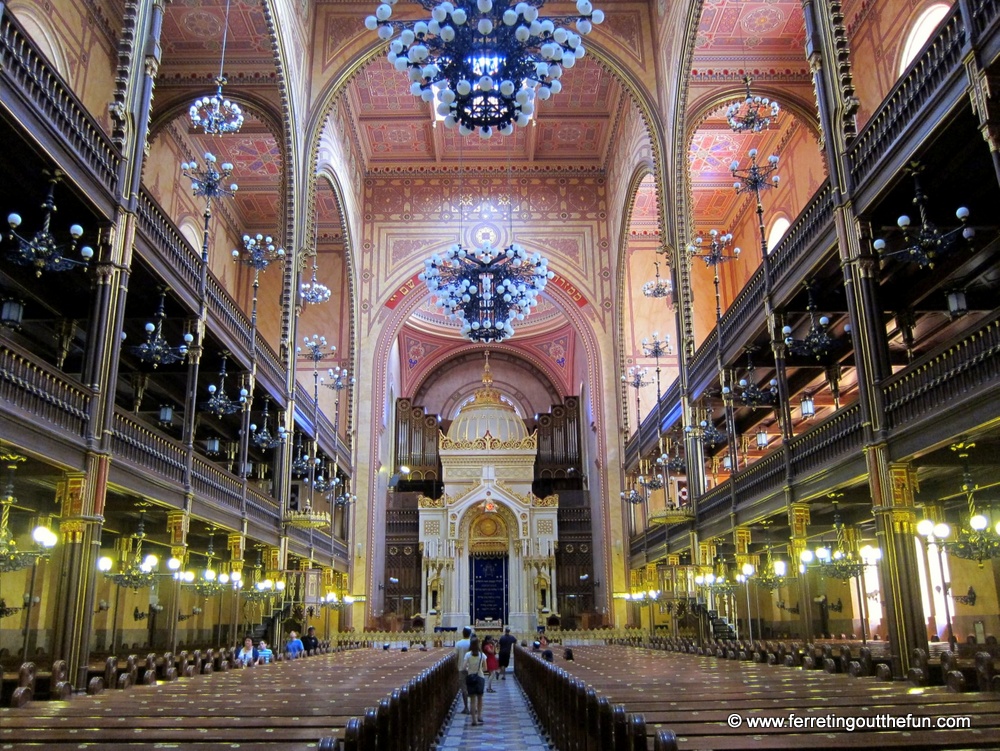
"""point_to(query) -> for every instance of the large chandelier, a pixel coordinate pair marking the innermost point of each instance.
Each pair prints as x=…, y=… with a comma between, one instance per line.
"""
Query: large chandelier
x=262, y=437
x=658, y=287
x=772, y=575
x=842, y=562
x=485, y=60
x=12, y=559
x=155, y=350
x=210, y=583
x=924, y=244
x=753, y=114
x=138, y=572
x=215, y=114
x=488, y=288
x=314, y=292
x=43, y=251
x=752, y=395
x=218, y=402
x=977, y=541
x=817, y=342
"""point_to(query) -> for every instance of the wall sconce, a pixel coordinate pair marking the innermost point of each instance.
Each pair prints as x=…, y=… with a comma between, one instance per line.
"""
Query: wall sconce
x=140, y=616
x=762, y=439
x=166, y=415
x=958, y=306
x=192, y=614
x=808, y=407
x=102, y=607
x=11, y=313
x=794, y=610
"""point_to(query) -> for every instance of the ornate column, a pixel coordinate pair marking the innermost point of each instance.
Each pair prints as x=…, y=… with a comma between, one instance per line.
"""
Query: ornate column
x=798, y=523
x=892, y=487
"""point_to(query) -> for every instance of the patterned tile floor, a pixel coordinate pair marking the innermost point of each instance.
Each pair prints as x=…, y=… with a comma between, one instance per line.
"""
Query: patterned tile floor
x=507, y=723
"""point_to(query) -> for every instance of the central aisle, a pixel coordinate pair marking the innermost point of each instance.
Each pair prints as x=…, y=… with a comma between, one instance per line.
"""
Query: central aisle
x=507, y=723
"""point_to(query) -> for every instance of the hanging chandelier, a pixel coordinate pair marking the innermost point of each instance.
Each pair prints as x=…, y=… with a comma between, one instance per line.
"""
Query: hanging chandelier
x=155, y=350
x=977, y=541
x=817, y=342
x=215, y=114
x=710, y=435
x=485, y=62
x=676, y=462
x=772, y=575
x=314, y=291
x=263, y=438
x=210, y=583
x=345, y=499
x=259, y=252
x=43, y=251
x=138, y=571
x=749, y=393
x=218, y=402
x=12, y=559
x=633, y=497
x=301, y=463
x=658, y=288
x=843, y=562
x=488, y=288
x=923, y=245
x=753, y=114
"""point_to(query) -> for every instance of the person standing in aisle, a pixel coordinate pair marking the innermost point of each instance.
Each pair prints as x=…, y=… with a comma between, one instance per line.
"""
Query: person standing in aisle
x=475, y=678
x=461, y=650
x=507, y=643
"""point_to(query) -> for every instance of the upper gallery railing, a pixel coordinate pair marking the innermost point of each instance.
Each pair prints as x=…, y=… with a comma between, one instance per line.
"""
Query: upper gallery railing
x=42, y=391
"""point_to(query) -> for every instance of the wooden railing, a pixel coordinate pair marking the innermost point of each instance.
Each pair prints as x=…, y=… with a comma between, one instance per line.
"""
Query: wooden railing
x=747, y=307
x=31, y=76
x=714, y=498
x=217, y=485
x=985, y=13
x=945, y=378
x=227, y=314
x=940, y=60
x=262, y=507
x=704, y=365
x=269, y=367
x=42, y=391
x=145, y=448
x=835, y=437
x=167, y=242
x=800, y=239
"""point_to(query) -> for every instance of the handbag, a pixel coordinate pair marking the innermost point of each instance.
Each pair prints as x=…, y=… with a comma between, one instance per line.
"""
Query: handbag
x=474, y=681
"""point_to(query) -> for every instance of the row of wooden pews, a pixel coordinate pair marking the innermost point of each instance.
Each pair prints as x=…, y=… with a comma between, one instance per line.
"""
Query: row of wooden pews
x=320, y=702
x=31, y=683
x=703, y=702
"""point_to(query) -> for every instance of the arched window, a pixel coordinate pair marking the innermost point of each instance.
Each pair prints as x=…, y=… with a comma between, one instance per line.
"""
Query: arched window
x=922, y=29
x=778, y=230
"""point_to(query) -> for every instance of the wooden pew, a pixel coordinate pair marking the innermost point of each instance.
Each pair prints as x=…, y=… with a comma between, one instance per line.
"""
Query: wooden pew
x=694, y=697
x=292, y=704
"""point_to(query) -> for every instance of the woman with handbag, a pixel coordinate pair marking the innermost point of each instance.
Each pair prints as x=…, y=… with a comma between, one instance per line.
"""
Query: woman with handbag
x=475, y=680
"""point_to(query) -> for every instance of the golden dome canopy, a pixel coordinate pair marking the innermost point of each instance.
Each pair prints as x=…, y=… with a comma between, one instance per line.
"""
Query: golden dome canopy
x=487, y=412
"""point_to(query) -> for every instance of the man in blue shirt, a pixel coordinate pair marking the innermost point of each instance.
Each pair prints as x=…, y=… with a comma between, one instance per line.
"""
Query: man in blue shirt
x=294, y=647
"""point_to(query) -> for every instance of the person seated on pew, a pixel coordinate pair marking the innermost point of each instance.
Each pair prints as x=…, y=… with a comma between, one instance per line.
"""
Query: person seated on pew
x=264, y=653
x=309, y=641
x=248, y=655
x=294, y=647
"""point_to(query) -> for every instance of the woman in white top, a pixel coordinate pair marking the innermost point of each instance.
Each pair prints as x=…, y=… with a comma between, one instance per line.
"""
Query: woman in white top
x=248, y=655
x=475, y=667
